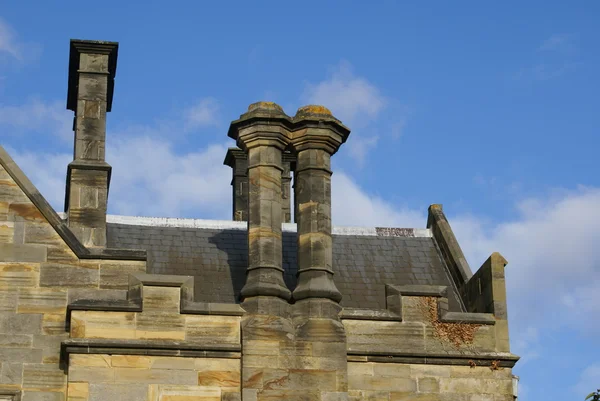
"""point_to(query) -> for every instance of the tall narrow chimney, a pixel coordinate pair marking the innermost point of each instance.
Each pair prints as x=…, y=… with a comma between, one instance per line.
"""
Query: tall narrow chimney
x=238, y=161
x=317, y=135
x=262, y=132
x=92, y=67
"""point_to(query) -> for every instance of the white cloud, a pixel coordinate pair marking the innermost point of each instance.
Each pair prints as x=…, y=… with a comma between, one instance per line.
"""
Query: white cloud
x=47, y=171
x=359, y=148
x=552, y=243
x=352, y=99
x=8, y=42
x=37, y=116
x=203, y=113
x=355, y=101
x=151, y=179
x=353, y=206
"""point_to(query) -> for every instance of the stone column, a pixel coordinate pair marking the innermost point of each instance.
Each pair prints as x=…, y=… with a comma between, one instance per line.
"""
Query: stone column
x=318, y=135
x=92, y=68
x=238, y=161
x=263, y=133
x=288, y=160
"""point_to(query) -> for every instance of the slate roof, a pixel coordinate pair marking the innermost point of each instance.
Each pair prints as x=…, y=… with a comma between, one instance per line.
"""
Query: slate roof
x=217, y=258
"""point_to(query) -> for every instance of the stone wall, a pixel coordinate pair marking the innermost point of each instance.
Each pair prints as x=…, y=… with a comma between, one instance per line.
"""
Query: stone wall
x=152, y=378
x=39, y=276
x=396, y=381
x=74, y=326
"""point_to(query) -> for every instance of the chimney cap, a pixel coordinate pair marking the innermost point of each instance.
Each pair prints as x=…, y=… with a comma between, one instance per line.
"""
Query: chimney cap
x=232, y=155
x=260, y=113
x=330, y=131
x=79, y=46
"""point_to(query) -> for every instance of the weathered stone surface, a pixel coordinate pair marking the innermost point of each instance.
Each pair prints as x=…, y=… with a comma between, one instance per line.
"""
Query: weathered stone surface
x=90, y=324
x=37, y=395
x=22, y=253
x=11, y=373
x=38, y=300
x=115, y=275
x=11, y=323
x=113, y=391
x=62, y=275
x=43, y=377
x=213, y=329
x=19, y=275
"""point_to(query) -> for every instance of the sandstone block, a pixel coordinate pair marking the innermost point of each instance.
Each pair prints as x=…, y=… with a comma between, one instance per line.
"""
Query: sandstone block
x=11, y=373
x=115, y=275
x=8, y=299
x=183, y=393
x=78, y=392
x=158, y=362
x=91, y=360
x=92, y=324
x=131, y=361
x=22, y=253
x=54, y=323
x=153, y=376
x=91, y=374
x=12, y=323
x=118, y=392
x=160, y=326
x=43, y=395
x=16, y=340
x=43, y=377
x=19, y=274
x=428, y=385
x=39, y=300
x=213, y=329
x=62, y=275
x=7, y=229
x=161, y=299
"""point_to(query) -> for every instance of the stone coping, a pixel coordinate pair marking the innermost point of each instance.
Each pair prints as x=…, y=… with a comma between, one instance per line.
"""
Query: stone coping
x=394, y=294
x=369, y=314
x=243, y=226
x=149, y=347
x=500, y=359
x=135, y=298
x=389, y=316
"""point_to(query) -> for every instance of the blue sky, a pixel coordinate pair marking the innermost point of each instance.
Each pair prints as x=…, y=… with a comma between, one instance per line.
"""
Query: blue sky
x=490, y=109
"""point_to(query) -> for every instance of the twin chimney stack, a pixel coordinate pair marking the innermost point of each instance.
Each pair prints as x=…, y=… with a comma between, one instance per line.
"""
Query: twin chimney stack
x=272, y=146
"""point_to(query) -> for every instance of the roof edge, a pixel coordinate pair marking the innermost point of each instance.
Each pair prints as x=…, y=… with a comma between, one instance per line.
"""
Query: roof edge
x=175, y=222
x=57, y=222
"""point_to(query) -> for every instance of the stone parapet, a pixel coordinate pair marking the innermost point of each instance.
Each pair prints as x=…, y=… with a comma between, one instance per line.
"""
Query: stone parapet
x=448, y=245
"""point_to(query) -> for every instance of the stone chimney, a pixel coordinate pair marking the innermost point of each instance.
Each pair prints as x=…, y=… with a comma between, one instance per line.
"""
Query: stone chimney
x=263, y=133
x=238, y=161
x=317, y=136
x=92, y=68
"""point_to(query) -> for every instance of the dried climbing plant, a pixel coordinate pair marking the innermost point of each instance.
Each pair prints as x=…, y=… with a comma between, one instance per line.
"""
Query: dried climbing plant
x=457, y=334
